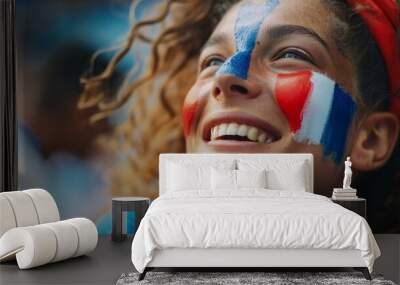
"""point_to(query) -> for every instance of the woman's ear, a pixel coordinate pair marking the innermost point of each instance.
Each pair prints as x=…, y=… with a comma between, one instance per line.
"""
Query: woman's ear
x=375, y=141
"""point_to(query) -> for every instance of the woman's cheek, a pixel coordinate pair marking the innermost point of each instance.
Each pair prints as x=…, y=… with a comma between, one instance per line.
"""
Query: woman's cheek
x=194, y=104
x=319, y=112
x=189, y=111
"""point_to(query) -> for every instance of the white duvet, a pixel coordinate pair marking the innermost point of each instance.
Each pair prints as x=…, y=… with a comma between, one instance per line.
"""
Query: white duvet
x=250, y=219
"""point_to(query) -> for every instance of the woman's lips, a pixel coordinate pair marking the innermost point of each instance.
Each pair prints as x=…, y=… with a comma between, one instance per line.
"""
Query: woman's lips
x=238, y=128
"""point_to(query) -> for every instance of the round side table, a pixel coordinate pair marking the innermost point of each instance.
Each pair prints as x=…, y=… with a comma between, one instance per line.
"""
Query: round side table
x=124, y=204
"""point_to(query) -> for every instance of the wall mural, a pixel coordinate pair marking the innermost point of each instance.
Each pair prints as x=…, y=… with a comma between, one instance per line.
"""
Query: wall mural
x=105, y=86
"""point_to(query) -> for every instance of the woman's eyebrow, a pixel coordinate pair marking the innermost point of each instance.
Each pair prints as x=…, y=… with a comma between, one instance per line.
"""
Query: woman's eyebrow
x=276, y=34
x=217, y=39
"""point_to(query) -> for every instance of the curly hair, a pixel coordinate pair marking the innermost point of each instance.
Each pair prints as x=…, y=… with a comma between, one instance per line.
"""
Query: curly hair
x=154, y=122
x=156, y=96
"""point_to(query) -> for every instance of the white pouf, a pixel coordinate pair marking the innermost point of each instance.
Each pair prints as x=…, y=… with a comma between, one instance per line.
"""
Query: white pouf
x=31, y=232
x=40, y=244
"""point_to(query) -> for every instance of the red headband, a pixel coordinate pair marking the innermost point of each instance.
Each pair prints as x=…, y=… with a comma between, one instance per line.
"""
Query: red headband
x=383, y=19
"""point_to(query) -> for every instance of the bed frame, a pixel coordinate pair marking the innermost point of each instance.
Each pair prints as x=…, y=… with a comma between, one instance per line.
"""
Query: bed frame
x=246, y=258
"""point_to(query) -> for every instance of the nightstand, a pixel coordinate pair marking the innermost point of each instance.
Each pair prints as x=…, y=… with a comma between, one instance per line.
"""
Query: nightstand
x=121, y=205
x=358, y=205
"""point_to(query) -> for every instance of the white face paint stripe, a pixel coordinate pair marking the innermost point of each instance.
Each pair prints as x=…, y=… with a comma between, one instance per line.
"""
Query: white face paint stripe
x=317, y=109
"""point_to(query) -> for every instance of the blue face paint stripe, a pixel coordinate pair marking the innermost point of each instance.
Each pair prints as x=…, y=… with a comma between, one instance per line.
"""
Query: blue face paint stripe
x=337, y=127
x=247, y=25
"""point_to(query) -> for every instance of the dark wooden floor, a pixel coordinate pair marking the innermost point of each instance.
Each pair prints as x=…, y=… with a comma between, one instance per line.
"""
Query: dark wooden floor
x=103, y=266
x=110, y=259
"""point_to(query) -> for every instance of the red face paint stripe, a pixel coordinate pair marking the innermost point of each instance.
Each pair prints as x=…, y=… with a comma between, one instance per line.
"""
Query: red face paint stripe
x=291, y=92
x=188, y=115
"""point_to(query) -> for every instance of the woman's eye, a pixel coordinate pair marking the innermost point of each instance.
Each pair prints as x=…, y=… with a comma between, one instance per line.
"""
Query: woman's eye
x=213, y=61
x=294, y=54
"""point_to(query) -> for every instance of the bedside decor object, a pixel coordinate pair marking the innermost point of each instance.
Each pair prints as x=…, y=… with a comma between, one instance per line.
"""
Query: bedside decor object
x=357, y=205
x=344, y=194
x=347, y=192
x=347, y=174
x=121, y=205
x=31, y=231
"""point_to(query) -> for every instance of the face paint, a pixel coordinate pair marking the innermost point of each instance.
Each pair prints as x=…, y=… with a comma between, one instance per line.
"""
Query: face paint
x=188, y=115
x=191, y=107
x=292, y=103
x=248, y=23
x=318, y=110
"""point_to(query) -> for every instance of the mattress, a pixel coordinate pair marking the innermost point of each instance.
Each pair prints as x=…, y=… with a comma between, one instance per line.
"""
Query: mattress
x=250, y=218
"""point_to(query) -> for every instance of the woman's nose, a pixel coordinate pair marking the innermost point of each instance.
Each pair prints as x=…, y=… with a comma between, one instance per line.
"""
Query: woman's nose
x=227, y=85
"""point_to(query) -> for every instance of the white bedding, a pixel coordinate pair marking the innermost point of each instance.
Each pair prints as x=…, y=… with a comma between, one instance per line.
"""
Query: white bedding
x=251, y=218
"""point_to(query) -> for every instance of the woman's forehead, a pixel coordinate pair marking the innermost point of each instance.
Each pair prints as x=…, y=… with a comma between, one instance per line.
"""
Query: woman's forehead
x=307, y=13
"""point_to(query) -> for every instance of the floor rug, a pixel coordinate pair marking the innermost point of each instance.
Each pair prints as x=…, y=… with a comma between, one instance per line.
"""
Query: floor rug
x=243, y=278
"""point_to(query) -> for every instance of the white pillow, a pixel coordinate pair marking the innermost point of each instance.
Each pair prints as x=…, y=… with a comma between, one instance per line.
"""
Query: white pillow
x=183, y=178
x=223, y=179
x=281, y=174
x=293, y=179
x=226, y=179
x=251, y=178
x=185, y=175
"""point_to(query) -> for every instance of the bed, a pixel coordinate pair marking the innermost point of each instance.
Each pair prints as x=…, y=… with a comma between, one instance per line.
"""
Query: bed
x=247, y=211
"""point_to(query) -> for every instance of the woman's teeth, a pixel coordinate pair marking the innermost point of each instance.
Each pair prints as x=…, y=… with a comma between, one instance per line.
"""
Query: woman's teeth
x=247, y=132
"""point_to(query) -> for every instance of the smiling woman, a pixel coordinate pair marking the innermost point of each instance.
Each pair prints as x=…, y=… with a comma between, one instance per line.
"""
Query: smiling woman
x=267, y=76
